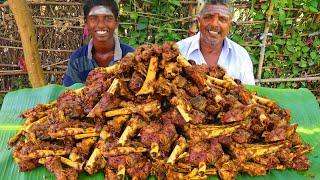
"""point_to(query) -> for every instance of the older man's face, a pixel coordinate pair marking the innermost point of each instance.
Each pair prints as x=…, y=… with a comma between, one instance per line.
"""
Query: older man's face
x=215, y=22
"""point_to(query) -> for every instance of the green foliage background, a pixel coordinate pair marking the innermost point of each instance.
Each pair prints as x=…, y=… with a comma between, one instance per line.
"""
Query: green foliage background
x=291, y=52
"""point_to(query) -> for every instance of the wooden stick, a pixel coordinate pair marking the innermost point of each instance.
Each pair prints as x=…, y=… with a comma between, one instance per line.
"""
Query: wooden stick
x=264, y=40
x=48, y=3
x=286, y=79
x=56, y=50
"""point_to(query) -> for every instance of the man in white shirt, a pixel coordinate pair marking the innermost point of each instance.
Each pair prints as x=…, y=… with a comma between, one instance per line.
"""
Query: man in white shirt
x=211, y=45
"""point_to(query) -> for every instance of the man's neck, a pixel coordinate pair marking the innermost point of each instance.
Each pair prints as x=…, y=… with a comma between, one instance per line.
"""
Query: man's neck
x=103, y=47
x=210, y=52
x=103, y=52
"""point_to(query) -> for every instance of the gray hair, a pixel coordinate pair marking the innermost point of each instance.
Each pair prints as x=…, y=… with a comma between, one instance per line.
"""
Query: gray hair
x=214, y=2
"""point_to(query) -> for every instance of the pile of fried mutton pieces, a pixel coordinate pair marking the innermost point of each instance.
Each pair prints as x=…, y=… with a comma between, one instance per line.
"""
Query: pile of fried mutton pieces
x=157, y=114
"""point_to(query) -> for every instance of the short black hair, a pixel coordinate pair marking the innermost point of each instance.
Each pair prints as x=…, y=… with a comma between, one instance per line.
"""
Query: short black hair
x=225, y=2
x=214, y=2
x=89, y=4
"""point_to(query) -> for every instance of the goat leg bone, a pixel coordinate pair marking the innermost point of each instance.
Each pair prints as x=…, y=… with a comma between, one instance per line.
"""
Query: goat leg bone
x=71, y=132
x=84, y=145
x=154, y=152
x=121, y=172
x=82, y=136
x=183, y=61
x=95, y=162
x=264, y=101
x=44, y=153
x=118, y=151
x=75, y=165
x=183, y=107
x=178, y=149
x=219, y=82
x=147, y=87
x=202, y=168
x=112, y=89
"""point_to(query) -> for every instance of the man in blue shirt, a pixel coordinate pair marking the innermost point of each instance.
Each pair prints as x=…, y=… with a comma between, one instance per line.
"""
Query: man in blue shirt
x=211, y=45
x=104, y=49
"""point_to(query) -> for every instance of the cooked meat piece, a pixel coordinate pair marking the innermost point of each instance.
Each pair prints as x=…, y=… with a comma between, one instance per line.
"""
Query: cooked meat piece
x=92, y=94
x=192, y=90
x=227, y=169
x=53, y=164
x=205, y=152
x=156, y=49
x=199, y=102
x=128, y=161
x=40, y=131
x=107, y=102
x=162, y=86
x=216, y=71
x=159, y=133
x=117, y=122
x=97, y=76
x=237, y=114
x=241, y=136
x=70, y=103
x=212, y=107
x=37, y=111
x=28, y=165
x=173, y=117
x=171, y=70
x=198, y=117
x=140, y=170
x=256, y=126
x=127, y=63
x=281, y=133
x=179, y=81
x=143, y=53
x=169, y=51
x=71, y=174
x=285, y=156
x=243, y=94
x=109, y=174
x=197, y=76
x=253, y=169
x=269, y=161
x=125, y=93
x=136, y=82
x=295, y=139
x=300, y=163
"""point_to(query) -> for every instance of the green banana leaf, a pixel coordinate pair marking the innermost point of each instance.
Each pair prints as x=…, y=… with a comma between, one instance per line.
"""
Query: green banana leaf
x=303, y=105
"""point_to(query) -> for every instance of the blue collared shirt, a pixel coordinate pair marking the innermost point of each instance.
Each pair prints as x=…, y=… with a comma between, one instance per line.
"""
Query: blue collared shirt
x=233, y=58
x=82, y=62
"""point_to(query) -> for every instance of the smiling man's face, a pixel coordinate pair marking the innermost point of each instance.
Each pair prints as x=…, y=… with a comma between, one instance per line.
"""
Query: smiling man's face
x=215, y=22
x=101, y=23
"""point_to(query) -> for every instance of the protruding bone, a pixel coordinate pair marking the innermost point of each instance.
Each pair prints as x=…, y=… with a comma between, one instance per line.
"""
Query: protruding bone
x=147, y=87
x=178, y=149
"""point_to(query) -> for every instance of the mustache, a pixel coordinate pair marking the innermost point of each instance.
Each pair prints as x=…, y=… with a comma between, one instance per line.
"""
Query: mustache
x=216, y=29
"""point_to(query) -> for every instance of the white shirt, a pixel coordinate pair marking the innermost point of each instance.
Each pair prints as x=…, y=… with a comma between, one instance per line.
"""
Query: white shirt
x=233, y=58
